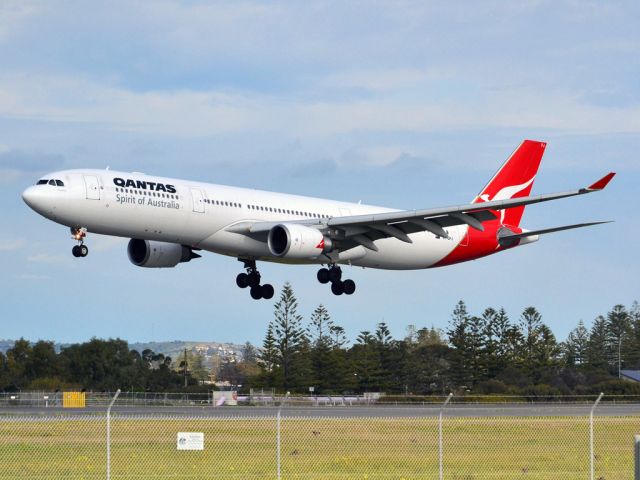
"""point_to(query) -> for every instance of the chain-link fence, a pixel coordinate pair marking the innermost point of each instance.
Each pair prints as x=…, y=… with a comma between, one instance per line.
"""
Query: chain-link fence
x=507, y=441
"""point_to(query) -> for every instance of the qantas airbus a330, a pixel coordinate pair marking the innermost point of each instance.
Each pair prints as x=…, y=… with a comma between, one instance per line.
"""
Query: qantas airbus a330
x=169, y=220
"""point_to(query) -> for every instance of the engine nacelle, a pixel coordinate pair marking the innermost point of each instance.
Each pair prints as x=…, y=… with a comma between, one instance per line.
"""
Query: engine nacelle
x=151, y=254
x=289, y=240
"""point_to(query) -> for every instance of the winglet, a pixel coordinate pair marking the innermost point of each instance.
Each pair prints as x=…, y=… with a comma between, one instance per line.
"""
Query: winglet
x=600, y=184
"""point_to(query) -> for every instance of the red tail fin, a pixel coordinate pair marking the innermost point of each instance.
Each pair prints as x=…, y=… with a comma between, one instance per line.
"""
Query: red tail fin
x=514, y=179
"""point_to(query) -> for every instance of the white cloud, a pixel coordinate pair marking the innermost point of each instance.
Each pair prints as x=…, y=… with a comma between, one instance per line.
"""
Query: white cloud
x=31, y=276
x=47, y=258
x=11, y=244
x=13, y=16
x=187, y=113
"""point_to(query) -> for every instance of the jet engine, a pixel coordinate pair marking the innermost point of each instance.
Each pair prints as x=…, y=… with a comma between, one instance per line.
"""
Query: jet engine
x=151, y=254
x=289, y=240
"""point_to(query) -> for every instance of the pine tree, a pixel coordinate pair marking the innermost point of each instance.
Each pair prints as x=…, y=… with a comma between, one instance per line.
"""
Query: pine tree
x=364, y=359
x=288, y=333
x=508, y=341
x=321, y=343
x=491, y=332
x=598, y=353
x=458, y=334
x=530, y=323
x=269, y=355
x=618, y=335
x=383, y=347
x=576, y=346
x=633, y=357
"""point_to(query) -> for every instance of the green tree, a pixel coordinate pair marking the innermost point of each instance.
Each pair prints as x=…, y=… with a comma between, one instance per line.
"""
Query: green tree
x=365, y=360
x=530, y=324
x=289, y=334
x=598, y=353
x=321, y=346
x=619, y=335
x=576, y=347
x=633, y=357
x=458, y=334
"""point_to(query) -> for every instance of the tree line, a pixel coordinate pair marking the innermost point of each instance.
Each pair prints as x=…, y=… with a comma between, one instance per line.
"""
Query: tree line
x=487, y=353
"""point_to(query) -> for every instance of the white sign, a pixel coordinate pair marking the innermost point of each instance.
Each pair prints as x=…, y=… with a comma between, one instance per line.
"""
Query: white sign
x=190, y=441
x=225, y=398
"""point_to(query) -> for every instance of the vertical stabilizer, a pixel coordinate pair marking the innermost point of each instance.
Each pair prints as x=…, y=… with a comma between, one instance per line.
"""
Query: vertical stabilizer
x=514, y=179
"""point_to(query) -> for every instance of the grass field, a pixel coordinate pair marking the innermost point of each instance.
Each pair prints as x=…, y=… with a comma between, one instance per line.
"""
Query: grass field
x=358, y=448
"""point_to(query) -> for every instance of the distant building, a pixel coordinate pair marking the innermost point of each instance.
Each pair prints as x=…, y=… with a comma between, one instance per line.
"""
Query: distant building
x=631, y=375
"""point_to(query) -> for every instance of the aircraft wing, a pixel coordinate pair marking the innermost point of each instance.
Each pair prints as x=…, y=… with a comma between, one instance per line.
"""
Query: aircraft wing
x=364, y=229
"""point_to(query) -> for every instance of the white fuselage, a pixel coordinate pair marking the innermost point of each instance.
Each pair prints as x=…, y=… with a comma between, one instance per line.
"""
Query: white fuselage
x=197, y=214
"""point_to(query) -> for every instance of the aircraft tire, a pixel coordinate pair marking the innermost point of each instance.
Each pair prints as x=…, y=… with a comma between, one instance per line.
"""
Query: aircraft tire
x=242, y=280
x=337, y=288
x=256, y=292
x=84, y=250
x=254, y=279
x=76, y=251
x=323, y=275
x=267, y=291
x=349, y=286
x=335, y=274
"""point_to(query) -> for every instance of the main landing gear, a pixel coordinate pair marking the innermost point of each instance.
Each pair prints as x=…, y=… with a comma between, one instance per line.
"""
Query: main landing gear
x=79, y=234
x=252, y=279
x=333, y=274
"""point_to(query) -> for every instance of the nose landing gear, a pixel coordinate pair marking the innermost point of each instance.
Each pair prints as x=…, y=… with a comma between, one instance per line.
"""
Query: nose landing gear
x=79, y=234
x=333, y=274
x=251, y=279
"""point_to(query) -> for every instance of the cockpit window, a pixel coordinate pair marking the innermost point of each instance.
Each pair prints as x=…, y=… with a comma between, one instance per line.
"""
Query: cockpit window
x=42, y=182
x=60, y=183
x=52, y=182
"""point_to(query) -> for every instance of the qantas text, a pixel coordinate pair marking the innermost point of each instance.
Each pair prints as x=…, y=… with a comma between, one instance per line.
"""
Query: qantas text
x=142, y=185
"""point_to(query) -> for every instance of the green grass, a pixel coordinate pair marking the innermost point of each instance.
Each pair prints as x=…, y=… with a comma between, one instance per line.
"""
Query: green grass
x=362, y=448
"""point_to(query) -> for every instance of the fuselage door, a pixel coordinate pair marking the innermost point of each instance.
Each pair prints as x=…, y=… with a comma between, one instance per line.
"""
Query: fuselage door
x=93, y=187
x=198, y=200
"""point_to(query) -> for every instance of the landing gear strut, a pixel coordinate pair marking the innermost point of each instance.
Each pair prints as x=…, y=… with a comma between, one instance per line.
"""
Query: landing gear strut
x=79, y=234
x=251, y=279
x=333, y=274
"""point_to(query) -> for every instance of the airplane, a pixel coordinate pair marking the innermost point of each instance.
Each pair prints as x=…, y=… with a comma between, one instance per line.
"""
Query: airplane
x=169, y=221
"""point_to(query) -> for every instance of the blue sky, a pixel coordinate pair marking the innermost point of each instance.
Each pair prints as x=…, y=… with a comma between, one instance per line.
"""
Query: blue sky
x=404, y=104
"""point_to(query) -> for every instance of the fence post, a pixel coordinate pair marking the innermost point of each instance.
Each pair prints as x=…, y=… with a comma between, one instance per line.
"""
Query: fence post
x=637, y=457
x=591, y=454
x=440, y=452
x=278, y=433
x=113, y=400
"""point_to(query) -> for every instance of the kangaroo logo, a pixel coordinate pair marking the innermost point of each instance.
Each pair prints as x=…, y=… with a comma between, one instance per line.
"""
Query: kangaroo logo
x=506, y=193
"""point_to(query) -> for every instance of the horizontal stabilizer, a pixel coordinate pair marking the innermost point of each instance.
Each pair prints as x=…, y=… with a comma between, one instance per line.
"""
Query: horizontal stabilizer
x=508, y=238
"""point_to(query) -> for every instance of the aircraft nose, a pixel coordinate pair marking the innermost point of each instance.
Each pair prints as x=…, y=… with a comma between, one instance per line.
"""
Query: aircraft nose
x=35, y=198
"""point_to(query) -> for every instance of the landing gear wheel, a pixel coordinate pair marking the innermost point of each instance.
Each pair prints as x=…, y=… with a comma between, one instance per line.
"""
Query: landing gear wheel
x=253, y=279
x=242, y=280
x=337, y=288
x=349, y=286
x=79, y=234
x=256, y=292
x=335, y=274
x=323, y=275
x=267, y=291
